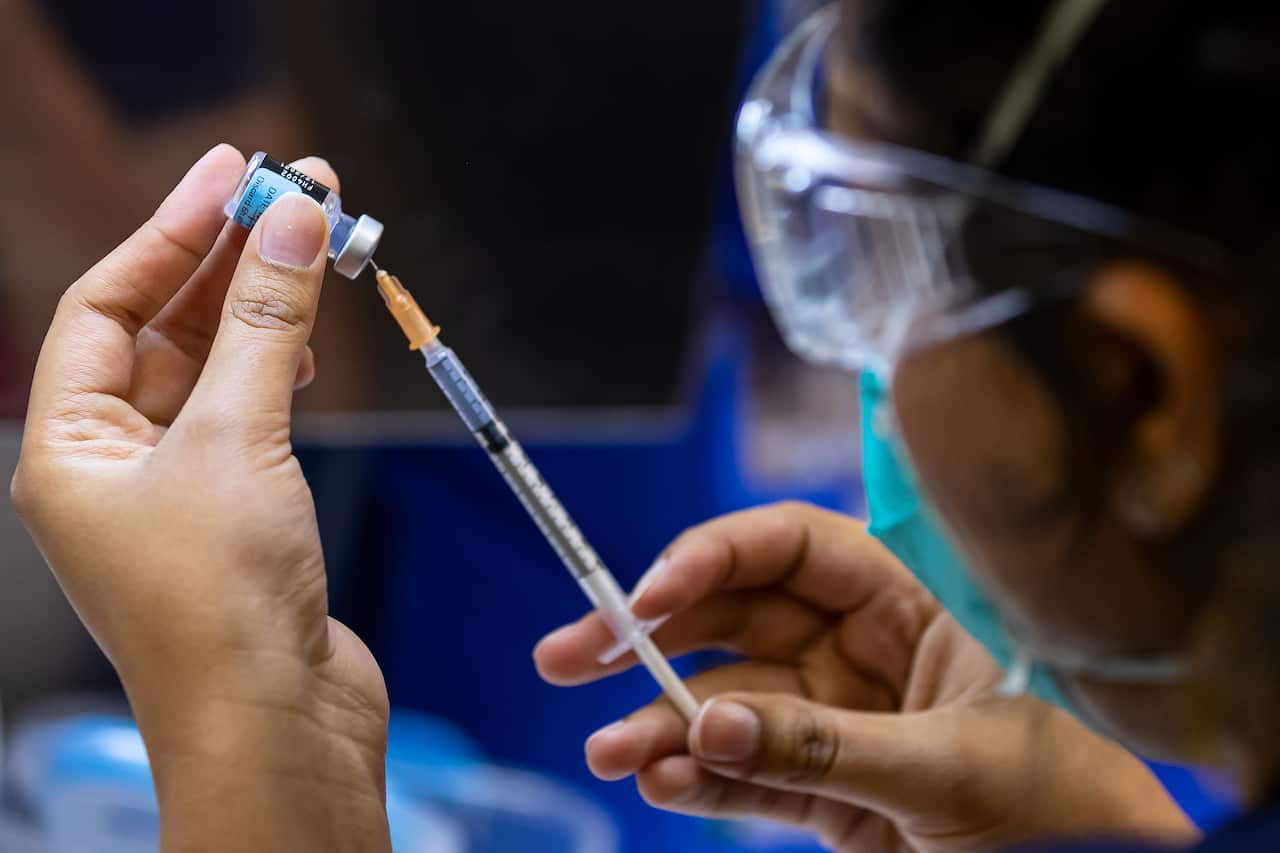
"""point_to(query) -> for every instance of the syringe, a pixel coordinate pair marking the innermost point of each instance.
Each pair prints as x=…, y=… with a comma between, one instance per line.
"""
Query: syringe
x=534, y=493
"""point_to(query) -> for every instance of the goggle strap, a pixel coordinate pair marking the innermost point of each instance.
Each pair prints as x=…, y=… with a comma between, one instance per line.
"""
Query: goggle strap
x=1063, y=28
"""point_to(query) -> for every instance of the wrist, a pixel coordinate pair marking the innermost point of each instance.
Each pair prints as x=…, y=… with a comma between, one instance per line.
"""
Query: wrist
x=274, y=757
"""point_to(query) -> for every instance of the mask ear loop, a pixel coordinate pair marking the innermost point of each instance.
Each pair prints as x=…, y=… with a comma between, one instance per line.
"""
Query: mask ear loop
x=1062, y=30
x=1017, y=678
x=1024, y=88
x=1153, y=669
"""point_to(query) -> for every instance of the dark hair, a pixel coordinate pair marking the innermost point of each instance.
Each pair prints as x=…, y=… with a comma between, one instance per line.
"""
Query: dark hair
x=1165, y=108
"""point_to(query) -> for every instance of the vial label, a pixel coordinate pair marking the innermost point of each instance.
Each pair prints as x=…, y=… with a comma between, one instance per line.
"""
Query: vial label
x=271, y=180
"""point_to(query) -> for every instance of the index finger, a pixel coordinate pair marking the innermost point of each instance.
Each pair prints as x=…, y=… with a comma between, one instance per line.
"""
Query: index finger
x=90, y=344
x=823, y=558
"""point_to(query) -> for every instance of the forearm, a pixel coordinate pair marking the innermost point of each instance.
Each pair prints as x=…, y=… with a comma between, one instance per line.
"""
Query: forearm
x=297, y=767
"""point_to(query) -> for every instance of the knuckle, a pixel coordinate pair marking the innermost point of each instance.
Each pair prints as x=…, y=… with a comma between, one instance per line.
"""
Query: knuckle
x=650, y=793
x=162, y=233
x=263, y=313
x=783, y=518
x=684, y=537
x=794, y=512
x=661, y=795
x=321, y=170
x=714, y=532
x=814, y=750
x=270, y=306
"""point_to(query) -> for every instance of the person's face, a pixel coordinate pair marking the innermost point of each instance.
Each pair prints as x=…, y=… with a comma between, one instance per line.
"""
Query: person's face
x=1065, y=577
x=989, y=444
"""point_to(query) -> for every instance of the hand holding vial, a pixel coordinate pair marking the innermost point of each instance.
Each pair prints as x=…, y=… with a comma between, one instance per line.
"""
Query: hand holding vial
x=158, y=480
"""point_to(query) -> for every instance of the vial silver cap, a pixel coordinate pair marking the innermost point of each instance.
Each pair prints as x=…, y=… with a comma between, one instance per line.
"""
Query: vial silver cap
x=354, y=256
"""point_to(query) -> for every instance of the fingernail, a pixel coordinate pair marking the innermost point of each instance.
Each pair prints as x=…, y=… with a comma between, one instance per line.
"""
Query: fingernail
x=725, y=732
x=648, y=578
x=293, y=232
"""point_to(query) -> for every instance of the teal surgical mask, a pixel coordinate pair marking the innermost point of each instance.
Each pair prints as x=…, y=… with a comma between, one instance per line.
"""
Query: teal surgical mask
x=900, y=519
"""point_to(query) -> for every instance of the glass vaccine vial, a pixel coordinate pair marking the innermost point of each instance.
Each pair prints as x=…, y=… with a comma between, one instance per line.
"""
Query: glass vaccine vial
x=352, y=241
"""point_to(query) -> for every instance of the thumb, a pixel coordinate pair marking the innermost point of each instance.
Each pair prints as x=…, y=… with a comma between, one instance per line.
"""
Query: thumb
x=267, y=318
x=886, y=763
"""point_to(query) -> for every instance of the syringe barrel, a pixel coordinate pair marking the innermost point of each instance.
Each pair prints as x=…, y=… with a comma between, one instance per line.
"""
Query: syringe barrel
x=544, y=507
x=553, y=520
x=461, y=390
x=510, y=459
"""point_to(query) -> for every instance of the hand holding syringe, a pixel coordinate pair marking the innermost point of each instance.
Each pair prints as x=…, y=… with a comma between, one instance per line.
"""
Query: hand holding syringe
x=538, y=499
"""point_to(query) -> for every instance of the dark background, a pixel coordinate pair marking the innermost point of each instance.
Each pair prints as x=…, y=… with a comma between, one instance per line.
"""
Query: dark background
x=545, y=171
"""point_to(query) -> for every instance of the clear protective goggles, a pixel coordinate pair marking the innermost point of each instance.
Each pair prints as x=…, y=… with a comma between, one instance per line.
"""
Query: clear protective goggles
x=865, y=250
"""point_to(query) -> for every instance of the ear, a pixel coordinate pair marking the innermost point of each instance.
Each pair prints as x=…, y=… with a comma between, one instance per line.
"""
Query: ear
x=1176, y=446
